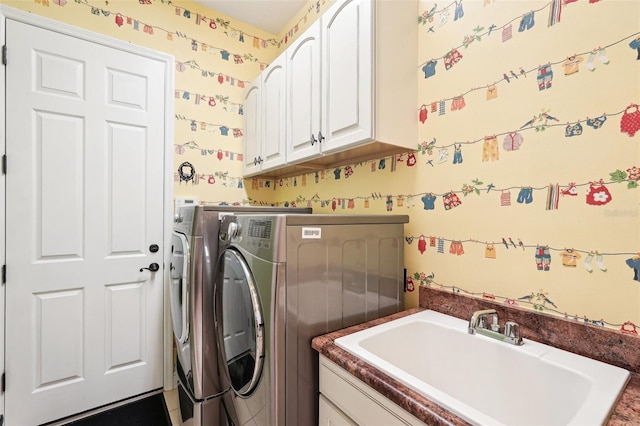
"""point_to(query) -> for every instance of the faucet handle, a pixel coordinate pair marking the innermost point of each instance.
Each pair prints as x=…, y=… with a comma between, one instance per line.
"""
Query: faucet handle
x=494, y=323
x=512, y=331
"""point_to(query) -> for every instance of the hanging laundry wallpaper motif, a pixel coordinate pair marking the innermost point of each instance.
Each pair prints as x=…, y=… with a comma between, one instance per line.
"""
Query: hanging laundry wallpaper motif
x=523, y=187
x=525, y=178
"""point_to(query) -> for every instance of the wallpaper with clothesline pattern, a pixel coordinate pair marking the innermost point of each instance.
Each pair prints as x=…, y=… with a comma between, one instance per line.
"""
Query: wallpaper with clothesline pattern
x=523, y=185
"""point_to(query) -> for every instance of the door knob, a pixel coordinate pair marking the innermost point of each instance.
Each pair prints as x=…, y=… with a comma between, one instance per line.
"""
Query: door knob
x=154, y=267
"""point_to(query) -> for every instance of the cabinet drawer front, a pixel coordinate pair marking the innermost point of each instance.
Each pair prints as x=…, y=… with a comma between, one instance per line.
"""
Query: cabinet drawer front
x=330, y=415
x=360, y=402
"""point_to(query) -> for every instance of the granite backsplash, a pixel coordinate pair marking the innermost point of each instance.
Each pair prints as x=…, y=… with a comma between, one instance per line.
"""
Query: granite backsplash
x=604, y=344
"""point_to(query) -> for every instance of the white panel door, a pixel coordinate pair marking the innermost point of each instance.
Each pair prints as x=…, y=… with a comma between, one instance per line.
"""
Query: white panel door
x=252, y=128
x=85, y=148
x=274, y=128
x=303, y=96
x=347, y=74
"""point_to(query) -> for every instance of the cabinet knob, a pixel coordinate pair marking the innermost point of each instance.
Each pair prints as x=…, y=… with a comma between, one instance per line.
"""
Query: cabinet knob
x=260, y=160
x=313, y=140
x=320, y=137
x=255, y=161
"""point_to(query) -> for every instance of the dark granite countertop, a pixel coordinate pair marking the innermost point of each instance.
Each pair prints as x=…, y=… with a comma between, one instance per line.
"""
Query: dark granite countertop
x=626, y=412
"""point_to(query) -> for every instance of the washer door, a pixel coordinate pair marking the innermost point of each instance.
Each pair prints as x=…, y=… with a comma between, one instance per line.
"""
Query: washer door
x=179, y=286
x=240, y=323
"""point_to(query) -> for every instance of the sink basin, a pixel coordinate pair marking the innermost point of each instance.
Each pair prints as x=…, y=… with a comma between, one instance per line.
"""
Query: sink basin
x=485, y=381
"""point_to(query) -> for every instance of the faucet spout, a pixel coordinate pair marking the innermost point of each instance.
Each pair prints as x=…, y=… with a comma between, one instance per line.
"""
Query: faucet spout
x=478, y=325
x=478, y=319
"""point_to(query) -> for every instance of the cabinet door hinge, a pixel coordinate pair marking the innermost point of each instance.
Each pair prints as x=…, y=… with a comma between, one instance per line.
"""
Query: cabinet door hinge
x=4, y=164
x=3, y=383
x=4, y=54
x=4, y=274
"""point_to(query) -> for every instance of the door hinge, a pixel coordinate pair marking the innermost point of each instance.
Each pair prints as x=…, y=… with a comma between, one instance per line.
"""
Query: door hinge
x=4, y=54
x=4, y=164
x=3, y=382
x=4, y=274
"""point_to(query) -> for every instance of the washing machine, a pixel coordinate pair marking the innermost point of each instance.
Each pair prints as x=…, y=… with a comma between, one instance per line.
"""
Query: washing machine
x=281, y=281
x=194, y=252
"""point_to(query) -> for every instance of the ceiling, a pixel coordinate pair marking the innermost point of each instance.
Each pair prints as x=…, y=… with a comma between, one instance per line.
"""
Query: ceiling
x=268, y=15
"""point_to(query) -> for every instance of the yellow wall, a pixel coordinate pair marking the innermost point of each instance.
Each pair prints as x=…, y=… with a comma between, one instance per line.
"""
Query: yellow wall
x=198, y=38
x=301, y=21
x=545, y=157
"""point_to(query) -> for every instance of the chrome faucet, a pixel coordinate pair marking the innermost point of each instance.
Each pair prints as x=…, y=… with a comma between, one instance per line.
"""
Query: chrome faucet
x=479, y=324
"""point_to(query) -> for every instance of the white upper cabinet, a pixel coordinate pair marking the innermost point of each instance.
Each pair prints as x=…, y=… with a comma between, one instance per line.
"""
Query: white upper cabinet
x=252, y=128
x=329, y=96
x=351, y=90
x=347, y=74
x=274, y=130
x=303, y=95
x=265, y=120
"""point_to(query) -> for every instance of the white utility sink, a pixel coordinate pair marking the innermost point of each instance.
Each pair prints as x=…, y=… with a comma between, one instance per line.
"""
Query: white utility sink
x=485, y=381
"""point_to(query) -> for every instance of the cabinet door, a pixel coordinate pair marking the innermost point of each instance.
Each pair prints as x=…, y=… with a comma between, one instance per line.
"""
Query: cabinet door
x=252, y=128
x=347, y=74
x=303, y=95
x=274, y=114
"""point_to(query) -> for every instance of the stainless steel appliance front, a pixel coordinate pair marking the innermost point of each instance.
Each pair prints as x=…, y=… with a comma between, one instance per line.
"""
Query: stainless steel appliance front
x=194, y=255
x=312, y=274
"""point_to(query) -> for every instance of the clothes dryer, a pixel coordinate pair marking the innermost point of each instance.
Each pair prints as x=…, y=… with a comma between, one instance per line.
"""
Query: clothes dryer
x=283, y=280
x=194, y=251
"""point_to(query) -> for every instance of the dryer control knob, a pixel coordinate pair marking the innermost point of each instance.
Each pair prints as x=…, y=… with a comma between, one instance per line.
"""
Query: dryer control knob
x=177, y=218
x=233, y=231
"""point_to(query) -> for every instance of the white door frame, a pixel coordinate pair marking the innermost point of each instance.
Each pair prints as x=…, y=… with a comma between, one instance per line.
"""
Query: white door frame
x=3, y=224
x=168, y=60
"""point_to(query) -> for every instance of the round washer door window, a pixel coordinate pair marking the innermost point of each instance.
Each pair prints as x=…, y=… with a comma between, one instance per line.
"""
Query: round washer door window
x=240, y=323
x=179, y=287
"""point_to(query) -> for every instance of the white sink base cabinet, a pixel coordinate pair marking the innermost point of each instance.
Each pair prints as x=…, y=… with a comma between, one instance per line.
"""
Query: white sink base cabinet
x=347, y=401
